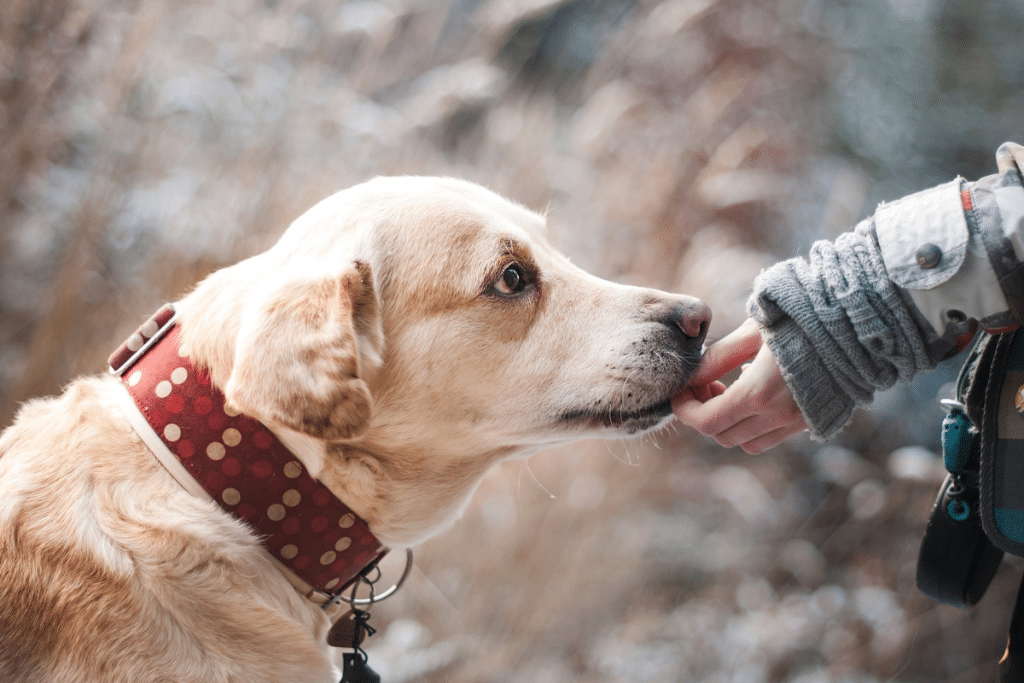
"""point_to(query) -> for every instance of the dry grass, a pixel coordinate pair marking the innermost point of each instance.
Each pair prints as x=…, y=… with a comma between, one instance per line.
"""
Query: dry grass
x=145, y=144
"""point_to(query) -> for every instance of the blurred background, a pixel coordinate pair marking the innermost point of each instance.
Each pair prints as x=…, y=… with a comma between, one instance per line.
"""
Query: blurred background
x=683, y=144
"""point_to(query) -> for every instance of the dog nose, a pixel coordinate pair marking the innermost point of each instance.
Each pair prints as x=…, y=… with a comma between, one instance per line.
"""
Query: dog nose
x=693, y=319
x=686, y=316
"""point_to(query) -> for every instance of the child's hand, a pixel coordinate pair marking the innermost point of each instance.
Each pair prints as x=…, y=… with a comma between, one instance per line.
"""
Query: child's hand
x=757, y=411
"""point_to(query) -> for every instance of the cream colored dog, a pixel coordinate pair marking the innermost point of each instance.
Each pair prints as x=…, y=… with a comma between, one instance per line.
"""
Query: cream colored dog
x=402, y=337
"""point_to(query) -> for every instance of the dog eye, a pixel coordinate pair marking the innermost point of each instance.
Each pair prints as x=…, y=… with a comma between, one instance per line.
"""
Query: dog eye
x=512, y=281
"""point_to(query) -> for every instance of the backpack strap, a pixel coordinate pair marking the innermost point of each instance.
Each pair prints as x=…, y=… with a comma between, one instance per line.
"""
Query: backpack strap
x=956, y=561
x=1002, y=441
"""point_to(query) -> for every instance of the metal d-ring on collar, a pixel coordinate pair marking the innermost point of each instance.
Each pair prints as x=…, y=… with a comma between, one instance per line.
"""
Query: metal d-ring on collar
x=354, y=601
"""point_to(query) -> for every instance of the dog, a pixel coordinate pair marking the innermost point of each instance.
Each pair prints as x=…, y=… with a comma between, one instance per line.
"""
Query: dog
x=401, y=337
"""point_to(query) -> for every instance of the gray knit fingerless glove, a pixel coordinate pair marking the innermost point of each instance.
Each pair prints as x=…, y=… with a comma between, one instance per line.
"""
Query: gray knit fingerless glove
x=838, y=327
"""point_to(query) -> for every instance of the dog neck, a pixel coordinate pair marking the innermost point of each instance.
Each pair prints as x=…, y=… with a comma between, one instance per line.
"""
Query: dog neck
x=239, y=463
x=407, y=490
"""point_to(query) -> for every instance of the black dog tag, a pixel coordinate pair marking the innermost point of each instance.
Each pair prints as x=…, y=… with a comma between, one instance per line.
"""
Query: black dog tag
x=356, y=670
x=957, y=560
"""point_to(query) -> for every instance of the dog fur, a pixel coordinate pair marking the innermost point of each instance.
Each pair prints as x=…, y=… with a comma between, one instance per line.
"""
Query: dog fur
x=385, y=340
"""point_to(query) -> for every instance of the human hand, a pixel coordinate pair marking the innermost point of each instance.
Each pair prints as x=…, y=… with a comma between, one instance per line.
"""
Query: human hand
x=757, y=411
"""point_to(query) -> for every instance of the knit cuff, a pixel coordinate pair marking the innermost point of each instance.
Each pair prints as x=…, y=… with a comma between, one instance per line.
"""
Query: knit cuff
x=838, y=328
x=822, y=401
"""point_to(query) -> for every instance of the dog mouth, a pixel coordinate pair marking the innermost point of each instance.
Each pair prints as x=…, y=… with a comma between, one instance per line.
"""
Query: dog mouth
x=631, y=420
x=645, y=408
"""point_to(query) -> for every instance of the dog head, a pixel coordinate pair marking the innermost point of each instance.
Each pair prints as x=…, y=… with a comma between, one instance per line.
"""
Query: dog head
x=407, y=333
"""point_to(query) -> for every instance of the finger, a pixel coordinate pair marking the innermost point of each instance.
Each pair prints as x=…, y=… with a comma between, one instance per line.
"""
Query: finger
x=745, y=430
x=759, y=395
x=700, y=393
x=706, y=392
x=696, y=414
x=728, y=353
x=773, y=438
x=717, y=389
x=685, y=407
x=686, y=395
x=760, y=425
x=715, y=415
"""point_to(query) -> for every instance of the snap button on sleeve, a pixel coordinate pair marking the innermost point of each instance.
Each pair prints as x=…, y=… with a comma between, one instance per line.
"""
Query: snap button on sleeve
x=928, y=255
x=955, y=315
x=932, y=217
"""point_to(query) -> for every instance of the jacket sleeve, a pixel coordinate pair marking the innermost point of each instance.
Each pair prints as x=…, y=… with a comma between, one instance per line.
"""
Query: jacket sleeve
x=892, y=297
x=977, y=239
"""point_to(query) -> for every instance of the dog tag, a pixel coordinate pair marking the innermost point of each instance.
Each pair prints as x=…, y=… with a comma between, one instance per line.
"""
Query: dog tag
x=347, y=631
x=356, y=670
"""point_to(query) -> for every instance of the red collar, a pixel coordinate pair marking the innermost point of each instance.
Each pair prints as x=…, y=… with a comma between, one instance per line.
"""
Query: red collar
x=241, y=464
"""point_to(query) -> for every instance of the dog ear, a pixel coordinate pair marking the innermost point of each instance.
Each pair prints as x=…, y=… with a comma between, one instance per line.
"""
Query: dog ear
x=297, y=357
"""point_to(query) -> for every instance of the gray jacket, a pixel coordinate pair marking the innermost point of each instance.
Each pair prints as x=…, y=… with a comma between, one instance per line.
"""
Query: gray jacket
x=897, y=294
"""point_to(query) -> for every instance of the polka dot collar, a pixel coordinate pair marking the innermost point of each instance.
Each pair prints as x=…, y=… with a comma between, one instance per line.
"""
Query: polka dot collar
x=241, y=464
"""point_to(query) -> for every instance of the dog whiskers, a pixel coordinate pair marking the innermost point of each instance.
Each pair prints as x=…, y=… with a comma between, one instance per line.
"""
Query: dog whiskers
x=628, y=460
x=526, y=464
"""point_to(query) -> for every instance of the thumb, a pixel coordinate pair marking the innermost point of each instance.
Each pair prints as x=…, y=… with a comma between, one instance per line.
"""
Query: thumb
x=728, y=353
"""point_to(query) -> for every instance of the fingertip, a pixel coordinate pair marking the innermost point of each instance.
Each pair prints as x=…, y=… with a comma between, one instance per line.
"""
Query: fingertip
x=685, y=410
x=702, y=393
x=723, y=357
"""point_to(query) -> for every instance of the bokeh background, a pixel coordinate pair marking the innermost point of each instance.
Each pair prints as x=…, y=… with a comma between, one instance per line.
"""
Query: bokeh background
x=682, y=144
